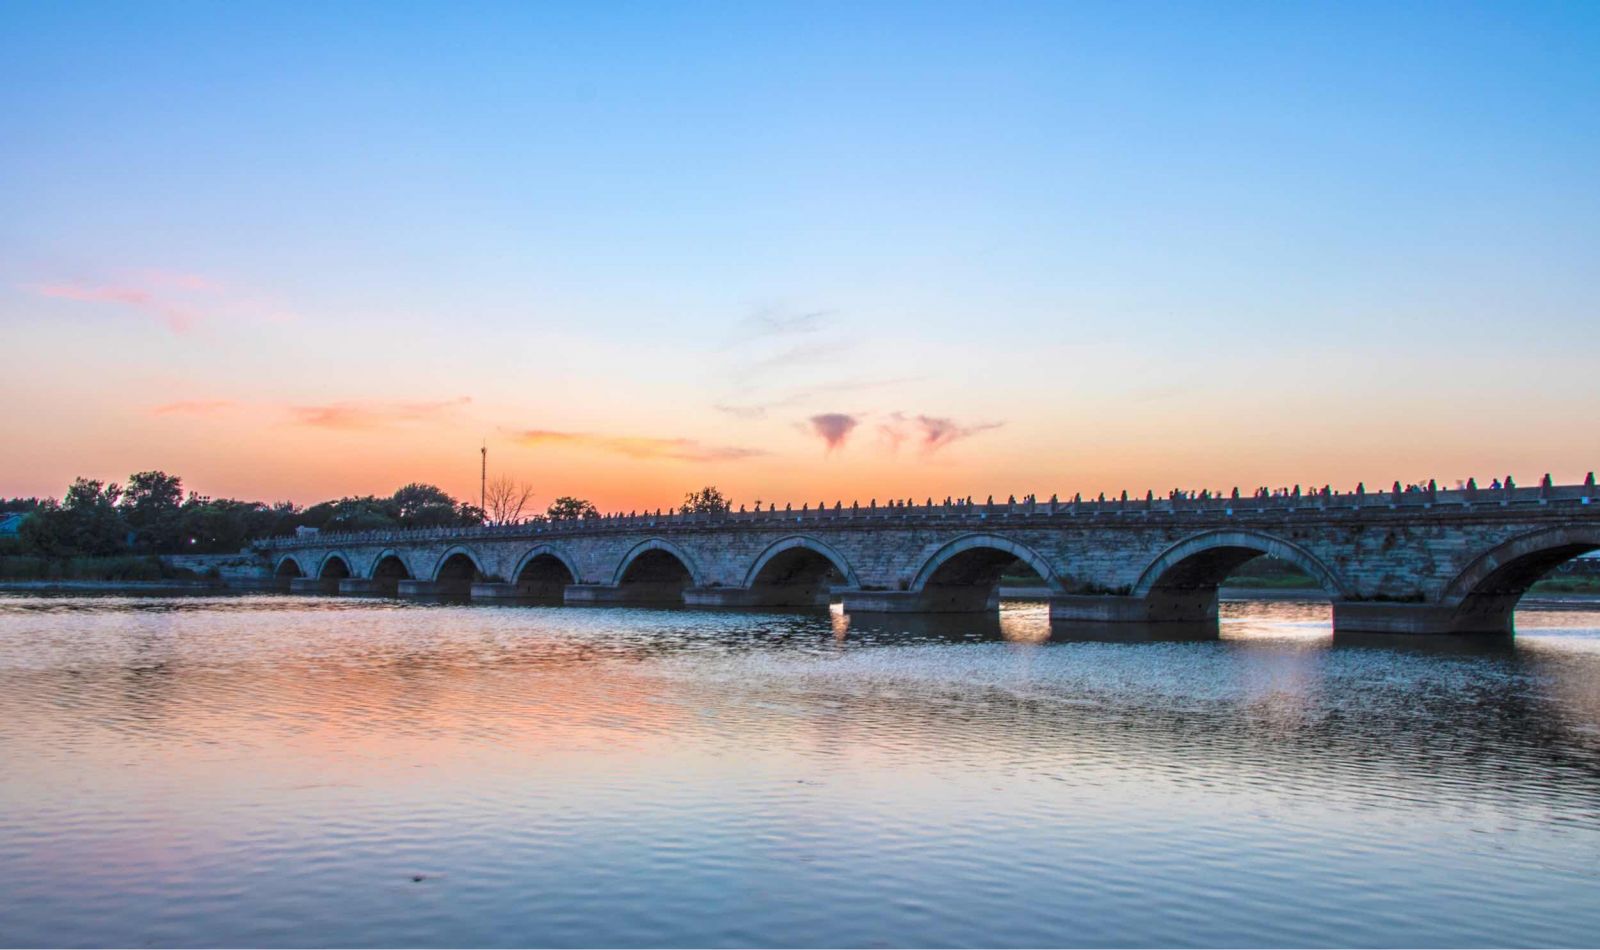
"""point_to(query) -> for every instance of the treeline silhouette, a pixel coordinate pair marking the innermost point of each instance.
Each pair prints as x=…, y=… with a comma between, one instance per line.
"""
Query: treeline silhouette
x=152, y=515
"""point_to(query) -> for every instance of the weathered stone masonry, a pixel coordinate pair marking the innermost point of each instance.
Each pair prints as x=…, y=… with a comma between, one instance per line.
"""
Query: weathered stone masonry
x=1426, y=561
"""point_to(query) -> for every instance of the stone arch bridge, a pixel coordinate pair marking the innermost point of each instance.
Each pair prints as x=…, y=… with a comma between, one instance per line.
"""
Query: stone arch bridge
x=1395, y=562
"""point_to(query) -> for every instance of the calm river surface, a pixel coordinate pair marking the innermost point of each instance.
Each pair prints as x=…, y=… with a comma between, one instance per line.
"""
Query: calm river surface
x=277, y=770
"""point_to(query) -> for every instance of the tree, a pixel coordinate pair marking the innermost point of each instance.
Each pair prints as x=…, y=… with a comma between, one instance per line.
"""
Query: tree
x=150, y=505
x=86, y=523
x=568, y=508
x=416, y=499
x=706, y=501
x=419, y=505
x=505, y=499
x=24, y=504
x=215, y=526
x=91, y=494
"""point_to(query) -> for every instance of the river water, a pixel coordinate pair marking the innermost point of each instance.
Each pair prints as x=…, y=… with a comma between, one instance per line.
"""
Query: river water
x=272, y=770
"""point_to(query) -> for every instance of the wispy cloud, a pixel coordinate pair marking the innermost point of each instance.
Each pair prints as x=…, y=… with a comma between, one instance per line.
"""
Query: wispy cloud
x=193, y=407
x=939, y=432
x=176, y=280
x=373, y=415
x=781, y=321
x=833, y=428
x=181, y=301
x=826, y=389
x=805, y=353
x=178, y=319
x=744, y=412
x=639, y=447
x=931, y=433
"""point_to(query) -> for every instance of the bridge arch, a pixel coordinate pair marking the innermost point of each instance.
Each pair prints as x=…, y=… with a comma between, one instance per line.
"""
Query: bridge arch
x=288, y=566
x=335, y=565
x=656, y=572
x=666, y=548
x=459, y=564
x=545, y=572
x=1181, y=584
x=390, y=566
x=974, y=558
x=777, y=553
x=1486, y=592
x=798, y=571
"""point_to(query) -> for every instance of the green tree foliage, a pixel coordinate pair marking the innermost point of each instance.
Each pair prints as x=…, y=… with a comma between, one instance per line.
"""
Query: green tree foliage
x=23, y=504
x=86, y=523
x=151, y=516
x=414, y=506
x=222, y=525
x=568, y=508
x=706, y=501
x=150, y=505
x=428, y=506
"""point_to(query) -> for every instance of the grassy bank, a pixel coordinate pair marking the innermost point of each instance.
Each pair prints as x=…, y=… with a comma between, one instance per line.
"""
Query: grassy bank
x=123, y=568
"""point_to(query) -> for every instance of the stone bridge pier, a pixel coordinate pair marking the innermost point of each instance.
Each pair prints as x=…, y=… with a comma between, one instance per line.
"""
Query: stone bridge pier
x=1414, y=562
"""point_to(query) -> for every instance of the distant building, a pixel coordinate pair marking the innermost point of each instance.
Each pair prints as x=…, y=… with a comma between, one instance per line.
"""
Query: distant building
x=304, y=531
x=11, y=523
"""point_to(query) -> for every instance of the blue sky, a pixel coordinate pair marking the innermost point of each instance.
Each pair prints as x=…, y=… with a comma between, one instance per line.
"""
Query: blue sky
x=1085, y=232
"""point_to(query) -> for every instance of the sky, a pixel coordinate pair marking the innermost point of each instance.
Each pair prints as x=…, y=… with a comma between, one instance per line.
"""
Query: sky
x=802, y=252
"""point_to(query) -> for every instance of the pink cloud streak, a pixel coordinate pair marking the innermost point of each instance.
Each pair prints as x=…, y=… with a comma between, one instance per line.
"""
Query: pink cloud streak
x=192, y=407
x=177, y=319
x=639, y=447
x=368, y=415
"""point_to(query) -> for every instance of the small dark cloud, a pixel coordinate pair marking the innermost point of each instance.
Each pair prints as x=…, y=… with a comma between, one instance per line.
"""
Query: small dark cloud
x=833, y=427
x=938, y=432
x=931, y=433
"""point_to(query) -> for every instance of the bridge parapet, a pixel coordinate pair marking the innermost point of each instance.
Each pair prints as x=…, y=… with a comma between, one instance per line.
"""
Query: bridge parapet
x=1311, y=505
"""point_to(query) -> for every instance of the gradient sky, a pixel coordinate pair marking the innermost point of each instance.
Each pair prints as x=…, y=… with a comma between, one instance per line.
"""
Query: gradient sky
x=802, y=252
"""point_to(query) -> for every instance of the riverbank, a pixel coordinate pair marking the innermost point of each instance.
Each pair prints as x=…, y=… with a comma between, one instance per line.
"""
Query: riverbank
x=108, y=587
x=167, y=586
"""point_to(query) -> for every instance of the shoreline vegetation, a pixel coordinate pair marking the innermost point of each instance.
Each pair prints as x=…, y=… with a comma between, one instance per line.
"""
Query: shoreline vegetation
x=125, y=532
x=113, y=568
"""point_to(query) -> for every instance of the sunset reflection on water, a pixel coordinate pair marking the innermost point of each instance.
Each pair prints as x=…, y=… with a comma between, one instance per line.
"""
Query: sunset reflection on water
x=276, y=770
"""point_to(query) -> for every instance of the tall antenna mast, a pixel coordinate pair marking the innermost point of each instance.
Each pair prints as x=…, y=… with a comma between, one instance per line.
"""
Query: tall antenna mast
x=483, y=476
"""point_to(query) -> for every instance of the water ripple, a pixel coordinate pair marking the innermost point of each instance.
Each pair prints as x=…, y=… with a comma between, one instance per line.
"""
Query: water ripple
x=267, y=770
